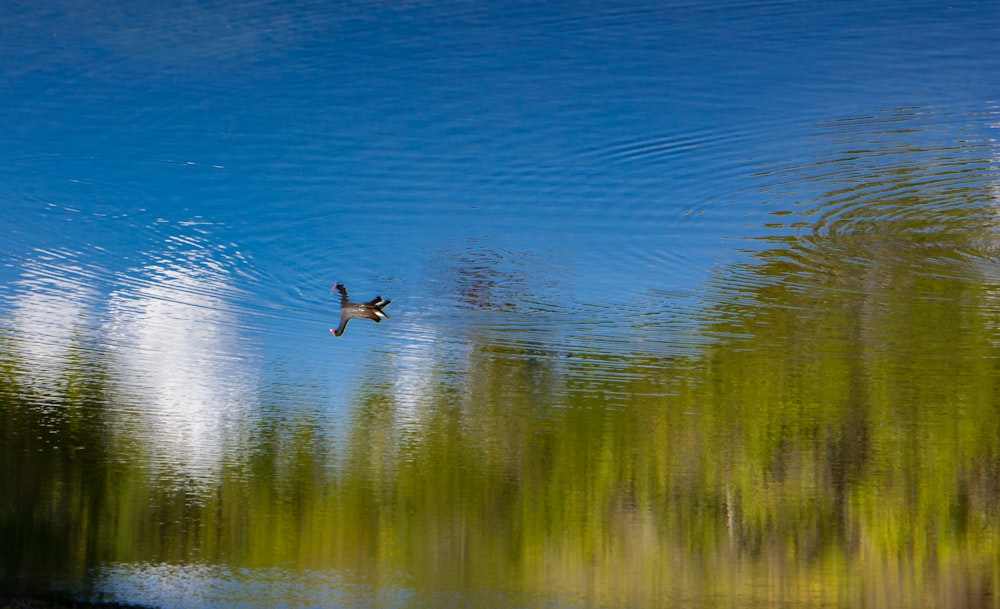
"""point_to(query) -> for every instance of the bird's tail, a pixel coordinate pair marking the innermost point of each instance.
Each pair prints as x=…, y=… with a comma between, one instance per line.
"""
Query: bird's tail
x=374, y=309
x=379, y=305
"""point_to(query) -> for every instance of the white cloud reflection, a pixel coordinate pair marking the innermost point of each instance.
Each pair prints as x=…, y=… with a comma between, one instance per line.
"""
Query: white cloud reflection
x=53, y=305
x=415, y=366
x=184, y=378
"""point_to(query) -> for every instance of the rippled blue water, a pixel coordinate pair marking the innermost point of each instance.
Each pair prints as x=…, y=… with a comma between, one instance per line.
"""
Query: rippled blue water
x=182, y=184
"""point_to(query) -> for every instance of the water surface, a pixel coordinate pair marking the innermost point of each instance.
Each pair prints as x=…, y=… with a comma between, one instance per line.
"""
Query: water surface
x=692, y=304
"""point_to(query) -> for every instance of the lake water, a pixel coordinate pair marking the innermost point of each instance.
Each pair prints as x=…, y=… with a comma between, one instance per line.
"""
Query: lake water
x=694, y=304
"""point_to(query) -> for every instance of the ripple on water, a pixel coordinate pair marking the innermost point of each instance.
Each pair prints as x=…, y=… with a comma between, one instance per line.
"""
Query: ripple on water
x=177, y=586
x=897, y=188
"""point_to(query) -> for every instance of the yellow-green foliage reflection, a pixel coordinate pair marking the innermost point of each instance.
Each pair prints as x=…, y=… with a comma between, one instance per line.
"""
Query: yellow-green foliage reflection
x=844, y=450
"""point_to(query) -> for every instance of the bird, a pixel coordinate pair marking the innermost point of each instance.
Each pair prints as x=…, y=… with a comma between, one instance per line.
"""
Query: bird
x=349, y=310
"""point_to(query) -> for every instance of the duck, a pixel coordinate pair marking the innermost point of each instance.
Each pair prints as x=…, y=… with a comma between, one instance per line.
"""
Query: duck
x=349, y=310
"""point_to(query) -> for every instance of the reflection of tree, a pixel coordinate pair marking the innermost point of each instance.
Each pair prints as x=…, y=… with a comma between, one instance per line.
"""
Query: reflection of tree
x=476, y=279
x=492, y=280
x=873, y=326
x=53, y=471
x=837, y=441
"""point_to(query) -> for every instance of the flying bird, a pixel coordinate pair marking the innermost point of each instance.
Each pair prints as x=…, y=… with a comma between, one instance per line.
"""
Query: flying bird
x=367, y=310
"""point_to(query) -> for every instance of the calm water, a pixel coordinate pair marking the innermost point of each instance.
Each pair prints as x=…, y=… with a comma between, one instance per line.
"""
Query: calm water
x=693, y=304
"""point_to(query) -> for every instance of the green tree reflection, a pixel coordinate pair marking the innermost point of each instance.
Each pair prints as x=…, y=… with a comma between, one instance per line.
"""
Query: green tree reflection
x=836, y=442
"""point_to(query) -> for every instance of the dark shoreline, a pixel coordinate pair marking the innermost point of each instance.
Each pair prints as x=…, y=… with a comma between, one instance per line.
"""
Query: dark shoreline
x=33, y=602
